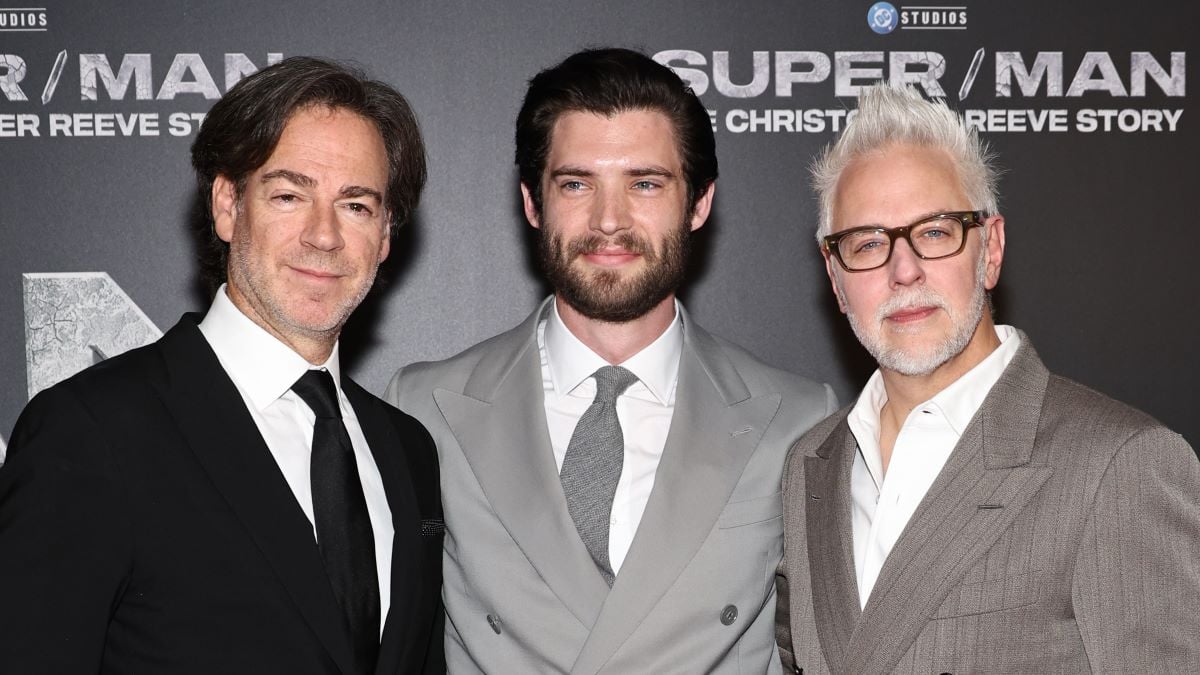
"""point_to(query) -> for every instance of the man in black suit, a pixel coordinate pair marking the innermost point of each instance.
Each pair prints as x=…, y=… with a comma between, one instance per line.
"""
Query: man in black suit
x=223, y=501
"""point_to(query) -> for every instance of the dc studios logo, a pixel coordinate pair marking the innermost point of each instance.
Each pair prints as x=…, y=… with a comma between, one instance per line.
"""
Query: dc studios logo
x=883, y=17
x=23, y=19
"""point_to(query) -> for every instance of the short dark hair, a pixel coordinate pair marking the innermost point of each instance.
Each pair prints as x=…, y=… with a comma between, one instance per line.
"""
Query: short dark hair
x=242, y=129
x=607, y=82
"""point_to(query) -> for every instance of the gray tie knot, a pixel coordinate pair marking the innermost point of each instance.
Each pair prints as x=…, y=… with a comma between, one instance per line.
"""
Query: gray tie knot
x=611, y=382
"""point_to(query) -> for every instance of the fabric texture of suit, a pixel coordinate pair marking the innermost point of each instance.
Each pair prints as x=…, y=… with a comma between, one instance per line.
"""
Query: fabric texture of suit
x=1063, y=535
x=146, y=528
x=695, y=592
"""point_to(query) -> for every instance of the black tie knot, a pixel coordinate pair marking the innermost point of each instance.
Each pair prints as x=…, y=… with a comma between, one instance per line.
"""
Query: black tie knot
x=318, y=391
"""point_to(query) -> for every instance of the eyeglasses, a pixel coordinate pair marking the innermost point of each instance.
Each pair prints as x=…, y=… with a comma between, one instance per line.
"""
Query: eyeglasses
x=939, y=236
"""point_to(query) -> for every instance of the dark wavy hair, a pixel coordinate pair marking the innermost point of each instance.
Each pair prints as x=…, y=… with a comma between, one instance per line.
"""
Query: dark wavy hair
x=607, y=82
x=242, y=129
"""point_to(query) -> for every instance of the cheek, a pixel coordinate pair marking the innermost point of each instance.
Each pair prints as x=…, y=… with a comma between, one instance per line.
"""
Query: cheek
x=858, y=295
x=566, y=216
x=371, y=248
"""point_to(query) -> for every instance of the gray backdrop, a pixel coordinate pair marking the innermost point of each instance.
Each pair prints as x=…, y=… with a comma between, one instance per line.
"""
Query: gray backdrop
x=1101, y=253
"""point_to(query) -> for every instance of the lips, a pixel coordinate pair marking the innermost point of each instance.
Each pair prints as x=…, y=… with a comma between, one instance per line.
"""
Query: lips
x=911, y=314
x=610, y=256
x=315, y=274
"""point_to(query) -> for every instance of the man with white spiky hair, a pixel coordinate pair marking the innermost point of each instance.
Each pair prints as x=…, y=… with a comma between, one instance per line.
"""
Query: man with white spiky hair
x=971, y=511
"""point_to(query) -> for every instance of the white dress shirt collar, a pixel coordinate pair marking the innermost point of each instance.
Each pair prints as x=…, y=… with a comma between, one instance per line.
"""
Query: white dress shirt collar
x=572, y=362
x=956, y=404
x=262, y=366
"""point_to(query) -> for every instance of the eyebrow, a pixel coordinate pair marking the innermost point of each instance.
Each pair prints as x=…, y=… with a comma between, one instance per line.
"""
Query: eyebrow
x=636, y=171
x=918, y=219
x=290, y=176
x=349, y=191
x=353, y=191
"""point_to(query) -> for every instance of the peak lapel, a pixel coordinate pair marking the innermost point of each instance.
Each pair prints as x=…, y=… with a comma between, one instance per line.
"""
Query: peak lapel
x=831, y=543
x=500, y=424
x=213, y=419
x=714, y=431
x=948, y=532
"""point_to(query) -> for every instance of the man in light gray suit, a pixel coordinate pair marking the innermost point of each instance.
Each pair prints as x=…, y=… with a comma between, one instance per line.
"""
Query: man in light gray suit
x=603, y=519
x=971, y=512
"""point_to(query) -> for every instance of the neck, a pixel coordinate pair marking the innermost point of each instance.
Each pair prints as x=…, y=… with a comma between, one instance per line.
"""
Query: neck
x=617, y=342
x=314, y=348
x=906, y=392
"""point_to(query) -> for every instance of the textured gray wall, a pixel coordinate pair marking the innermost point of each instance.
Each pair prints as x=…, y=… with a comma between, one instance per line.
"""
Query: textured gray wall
x=1100, y=264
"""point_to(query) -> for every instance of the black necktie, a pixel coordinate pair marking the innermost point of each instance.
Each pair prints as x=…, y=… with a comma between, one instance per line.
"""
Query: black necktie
x=340, y=513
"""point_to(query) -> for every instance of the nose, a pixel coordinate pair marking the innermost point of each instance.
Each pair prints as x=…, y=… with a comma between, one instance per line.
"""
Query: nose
x=904, y=267
x=323, y=231
x=611, y=212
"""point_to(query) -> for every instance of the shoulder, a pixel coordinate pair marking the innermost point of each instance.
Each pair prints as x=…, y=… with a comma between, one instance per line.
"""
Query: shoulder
x=820, y=432
x=416, y=381
x=66, y=423
x=764, y=379
x=402, y=422
x=1097, y=444
x=1086, y=424
x=114, y=384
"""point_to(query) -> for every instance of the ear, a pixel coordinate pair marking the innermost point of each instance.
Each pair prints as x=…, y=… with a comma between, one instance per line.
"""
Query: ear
x=224, y=205
x=837, y=293
x=385, y=246
x=994, y=229
x=703, y=206
x=531, y=212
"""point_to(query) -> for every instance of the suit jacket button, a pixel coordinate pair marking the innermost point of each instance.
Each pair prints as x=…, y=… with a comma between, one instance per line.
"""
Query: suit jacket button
x=494, y=622
x=729, y=614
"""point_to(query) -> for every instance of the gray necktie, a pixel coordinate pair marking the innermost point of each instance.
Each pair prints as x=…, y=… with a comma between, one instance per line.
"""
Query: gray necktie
x=592, y=465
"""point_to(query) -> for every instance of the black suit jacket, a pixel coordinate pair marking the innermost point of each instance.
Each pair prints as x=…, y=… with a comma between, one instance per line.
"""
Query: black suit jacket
x=146, y=528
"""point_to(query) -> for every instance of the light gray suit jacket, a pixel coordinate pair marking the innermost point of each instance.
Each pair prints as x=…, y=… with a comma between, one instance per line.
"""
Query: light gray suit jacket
x=696, y=590
x=1062, y=536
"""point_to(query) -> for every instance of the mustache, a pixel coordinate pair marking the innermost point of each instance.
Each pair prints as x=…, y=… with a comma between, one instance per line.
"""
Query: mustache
x=921, y=296
x=327, y=262
x=593, y=243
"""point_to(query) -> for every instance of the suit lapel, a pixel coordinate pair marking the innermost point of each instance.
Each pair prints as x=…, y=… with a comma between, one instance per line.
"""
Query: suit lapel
x=714, y=431
x=499, y=422
x=985, y=484
x=831, y=542
x=213, y=420
x=406, y=573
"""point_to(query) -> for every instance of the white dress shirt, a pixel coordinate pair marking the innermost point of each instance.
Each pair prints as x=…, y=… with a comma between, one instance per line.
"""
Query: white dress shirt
x=264, y=369
x=644, y=411
x=884, y=503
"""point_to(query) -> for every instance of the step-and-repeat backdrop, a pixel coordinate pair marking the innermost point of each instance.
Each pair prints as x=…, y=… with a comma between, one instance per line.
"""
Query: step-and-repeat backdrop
x=1087, y=105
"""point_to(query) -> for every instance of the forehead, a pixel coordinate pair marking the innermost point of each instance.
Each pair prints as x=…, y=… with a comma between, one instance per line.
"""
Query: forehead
x=331, y=140
x=895, y=185
x=634, y=137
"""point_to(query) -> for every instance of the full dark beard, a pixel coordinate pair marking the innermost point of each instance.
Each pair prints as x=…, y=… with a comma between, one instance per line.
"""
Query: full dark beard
x=602, y=294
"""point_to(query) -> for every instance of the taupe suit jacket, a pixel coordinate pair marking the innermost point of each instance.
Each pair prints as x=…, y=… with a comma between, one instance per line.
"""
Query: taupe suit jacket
x=696, y=590
x=1062, y=536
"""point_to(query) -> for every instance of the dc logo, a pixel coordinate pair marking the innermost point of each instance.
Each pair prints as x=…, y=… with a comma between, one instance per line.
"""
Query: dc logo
x=882, y=17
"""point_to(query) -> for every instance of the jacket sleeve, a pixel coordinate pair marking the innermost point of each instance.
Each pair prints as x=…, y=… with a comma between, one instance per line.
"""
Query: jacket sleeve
x=1136, y=585
x=65, y=539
